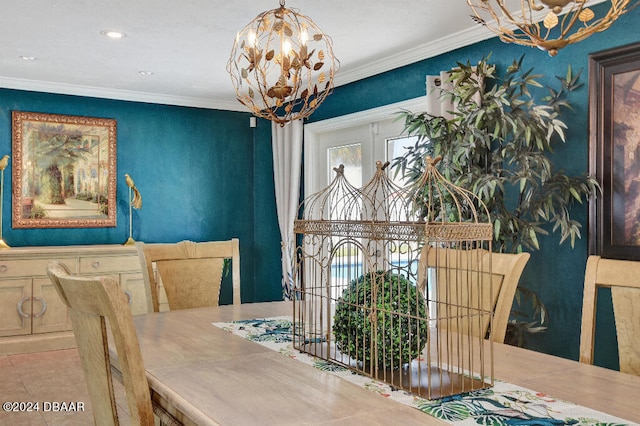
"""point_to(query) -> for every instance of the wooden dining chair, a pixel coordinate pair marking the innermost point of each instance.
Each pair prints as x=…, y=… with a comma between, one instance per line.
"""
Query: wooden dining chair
x=92, y=301
x=623, y=278
x=189, y=272
x=462, y=277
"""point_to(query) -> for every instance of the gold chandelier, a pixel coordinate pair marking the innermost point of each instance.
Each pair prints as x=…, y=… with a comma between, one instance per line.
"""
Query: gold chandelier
x=546, y=24
x=282, y=65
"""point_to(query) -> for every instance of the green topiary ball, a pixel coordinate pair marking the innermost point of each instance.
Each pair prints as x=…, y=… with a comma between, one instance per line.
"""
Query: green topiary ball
x=400, y=336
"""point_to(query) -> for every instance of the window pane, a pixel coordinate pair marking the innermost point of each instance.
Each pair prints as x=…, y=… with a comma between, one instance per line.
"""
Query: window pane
x=347, y=261
x=351, y=157
x=397, y=147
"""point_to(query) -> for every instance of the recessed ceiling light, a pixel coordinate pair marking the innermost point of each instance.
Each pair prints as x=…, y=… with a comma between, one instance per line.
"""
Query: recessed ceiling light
x=113, y=34
x=145, y=72
x=28, y=58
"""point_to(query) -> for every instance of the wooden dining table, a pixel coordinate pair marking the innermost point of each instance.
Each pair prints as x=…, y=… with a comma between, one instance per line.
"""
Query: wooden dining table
x=204, y=375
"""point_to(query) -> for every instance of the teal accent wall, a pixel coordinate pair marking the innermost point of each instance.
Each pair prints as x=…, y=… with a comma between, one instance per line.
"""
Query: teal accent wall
x=556, y=272
x=203, y=174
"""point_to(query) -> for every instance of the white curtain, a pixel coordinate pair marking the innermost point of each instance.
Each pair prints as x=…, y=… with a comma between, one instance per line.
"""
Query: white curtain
x=437, y=104
x=440, y=105
x=287, y=164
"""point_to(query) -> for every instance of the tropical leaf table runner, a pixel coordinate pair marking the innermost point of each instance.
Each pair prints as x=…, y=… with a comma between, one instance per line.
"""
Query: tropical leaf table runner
x=503, y=404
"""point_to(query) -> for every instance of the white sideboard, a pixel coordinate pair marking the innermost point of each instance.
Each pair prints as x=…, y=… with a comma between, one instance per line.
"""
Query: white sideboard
x=32, y=316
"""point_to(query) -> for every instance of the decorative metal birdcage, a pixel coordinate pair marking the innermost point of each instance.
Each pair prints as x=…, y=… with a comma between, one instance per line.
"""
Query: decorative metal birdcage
x=391, y=282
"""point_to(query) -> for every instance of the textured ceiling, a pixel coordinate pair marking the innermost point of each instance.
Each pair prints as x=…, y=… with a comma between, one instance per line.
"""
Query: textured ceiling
x=186, y=43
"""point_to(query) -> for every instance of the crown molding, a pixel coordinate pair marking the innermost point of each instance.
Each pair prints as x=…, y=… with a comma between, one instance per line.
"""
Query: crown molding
x=462, y=38
x=409, y=56
x=124, y=95
x=420, y=52
x=392, y=61
x=415, y=54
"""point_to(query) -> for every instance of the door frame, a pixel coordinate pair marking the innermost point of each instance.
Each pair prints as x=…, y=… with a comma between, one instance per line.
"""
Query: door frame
x=312, y=131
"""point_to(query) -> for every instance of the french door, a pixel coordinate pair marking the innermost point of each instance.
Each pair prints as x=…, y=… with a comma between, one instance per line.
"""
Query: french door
x=357, y=147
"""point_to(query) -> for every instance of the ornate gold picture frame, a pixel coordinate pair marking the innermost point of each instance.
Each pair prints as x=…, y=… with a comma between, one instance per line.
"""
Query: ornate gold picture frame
x=64, y=171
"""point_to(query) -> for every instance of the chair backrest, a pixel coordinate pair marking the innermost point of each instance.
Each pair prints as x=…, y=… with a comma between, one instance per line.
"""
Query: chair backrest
x=190, y=272
x=91, y=300
x=623, y=277
x=474, y=278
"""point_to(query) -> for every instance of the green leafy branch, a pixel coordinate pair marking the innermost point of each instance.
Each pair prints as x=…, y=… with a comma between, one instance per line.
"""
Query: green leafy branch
x=497, y=145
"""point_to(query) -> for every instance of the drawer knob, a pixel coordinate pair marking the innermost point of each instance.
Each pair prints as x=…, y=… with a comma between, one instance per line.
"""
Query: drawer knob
x=95, y=264
x=3, y=268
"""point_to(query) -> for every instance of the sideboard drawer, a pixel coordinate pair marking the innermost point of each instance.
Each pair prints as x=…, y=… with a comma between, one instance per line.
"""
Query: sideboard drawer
x=108, y=264
x=30, y=267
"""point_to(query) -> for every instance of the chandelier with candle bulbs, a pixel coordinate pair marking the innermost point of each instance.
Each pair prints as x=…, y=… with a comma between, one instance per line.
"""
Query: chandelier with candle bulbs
x=282, y=65
x=547, y=24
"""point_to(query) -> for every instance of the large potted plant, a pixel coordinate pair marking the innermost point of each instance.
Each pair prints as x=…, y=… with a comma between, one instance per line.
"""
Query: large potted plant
x=497, y=145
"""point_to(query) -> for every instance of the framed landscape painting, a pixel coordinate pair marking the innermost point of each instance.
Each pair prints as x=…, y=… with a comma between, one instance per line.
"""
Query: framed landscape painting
x=614, y=158
x=64, y=171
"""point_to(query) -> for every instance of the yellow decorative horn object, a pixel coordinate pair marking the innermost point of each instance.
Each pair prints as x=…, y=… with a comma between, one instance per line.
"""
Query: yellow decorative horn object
x=4, y=162
x=135, y=202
